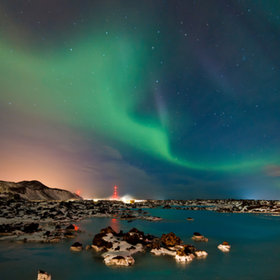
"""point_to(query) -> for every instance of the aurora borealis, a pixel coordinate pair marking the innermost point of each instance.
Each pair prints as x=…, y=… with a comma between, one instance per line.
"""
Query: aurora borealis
x=166, y=99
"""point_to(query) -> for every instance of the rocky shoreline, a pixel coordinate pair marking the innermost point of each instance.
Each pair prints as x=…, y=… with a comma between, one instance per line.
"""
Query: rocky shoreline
x=47, y=221
x=221, y=205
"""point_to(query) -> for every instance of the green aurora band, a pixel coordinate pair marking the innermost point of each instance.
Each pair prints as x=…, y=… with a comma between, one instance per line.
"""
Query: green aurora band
x=95, y=85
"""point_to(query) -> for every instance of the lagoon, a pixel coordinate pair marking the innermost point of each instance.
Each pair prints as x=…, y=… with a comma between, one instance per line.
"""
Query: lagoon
x=255, y=252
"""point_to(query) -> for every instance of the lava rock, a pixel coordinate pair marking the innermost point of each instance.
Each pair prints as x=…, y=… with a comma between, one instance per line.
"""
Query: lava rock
x=118, y=260
x=224, y=247
x=134, y=236
x=107, y=230
x=199, y=237
x=71, y=227
x=170, y=239
x=99, y=242
x=31, y=228
x=76, y=247
x=42, y=275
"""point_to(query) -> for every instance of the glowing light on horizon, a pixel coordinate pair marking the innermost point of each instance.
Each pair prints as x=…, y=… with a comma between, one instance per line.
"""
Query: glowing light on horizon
x=115, y=194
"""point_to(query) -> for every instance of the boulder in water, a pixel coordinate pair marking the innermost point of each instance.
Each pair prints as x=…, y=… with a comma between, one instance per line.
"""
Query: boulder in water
x=99, y=244
x=199, y=237
x=134, y=236
x=183, y=257
x=118, y=260
x=163, y=251
x=224, y=247
x=201, y=254
x=42, y=275
x=76, y=247
x=170, y=239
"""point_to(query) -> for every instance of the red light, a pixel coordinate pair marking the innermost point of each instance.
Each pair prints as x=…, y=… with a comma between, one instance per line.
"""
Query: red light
x=76, y=227
x=115, y=194
x=78, y=192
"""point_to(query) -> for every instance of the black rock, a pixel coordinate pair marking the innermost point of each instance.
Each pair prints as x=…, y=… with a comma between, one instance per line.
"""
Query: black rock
x=77, y=244
x=70, y=227
x=33, y=227
x=100, y=242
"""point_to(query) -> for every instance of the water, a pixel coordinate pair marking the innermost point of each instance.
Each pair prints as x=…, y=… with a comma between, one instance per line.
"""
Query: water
x=255, y=250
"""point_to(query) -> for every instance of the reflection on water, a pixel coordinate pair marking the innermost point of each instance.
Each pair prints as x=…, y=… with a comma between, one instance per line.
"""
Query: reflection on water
x=114, y=223
x=76, y=228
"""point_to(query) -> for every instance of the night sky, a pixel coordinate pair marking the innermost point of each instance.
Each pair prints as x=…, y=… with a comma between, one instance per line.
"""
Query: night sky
x=166, y=99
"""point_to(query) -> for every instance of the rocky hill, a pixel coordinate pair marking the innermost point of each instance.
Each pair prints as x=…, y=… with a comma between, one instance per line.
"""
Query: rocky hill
x=34, y=190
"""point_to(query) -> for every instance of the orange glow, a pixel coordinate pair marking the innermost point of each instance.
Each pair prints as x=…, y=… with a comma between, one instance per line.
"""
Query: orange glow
x=78, y=192
x=49, y=161
x=76, y=227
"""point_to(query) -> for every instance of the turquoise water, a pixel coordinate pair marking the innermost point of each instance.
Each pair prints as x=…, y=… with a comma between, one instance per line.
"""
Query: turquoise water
x=255, y=253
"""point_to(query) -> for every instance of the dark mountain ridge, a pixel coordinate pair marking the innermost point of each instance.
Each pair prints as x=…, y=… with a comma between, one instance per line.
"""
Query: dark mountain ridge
x=34, y=190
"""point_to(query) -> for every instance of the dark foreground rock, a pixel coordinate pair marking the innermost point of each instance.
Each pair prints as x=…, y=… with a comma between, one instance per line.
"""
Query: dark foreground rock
x=199, y=237
x=170, y=239
x=76, y=247
x=120, y=247
x=42, y=275
x=224, y=247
